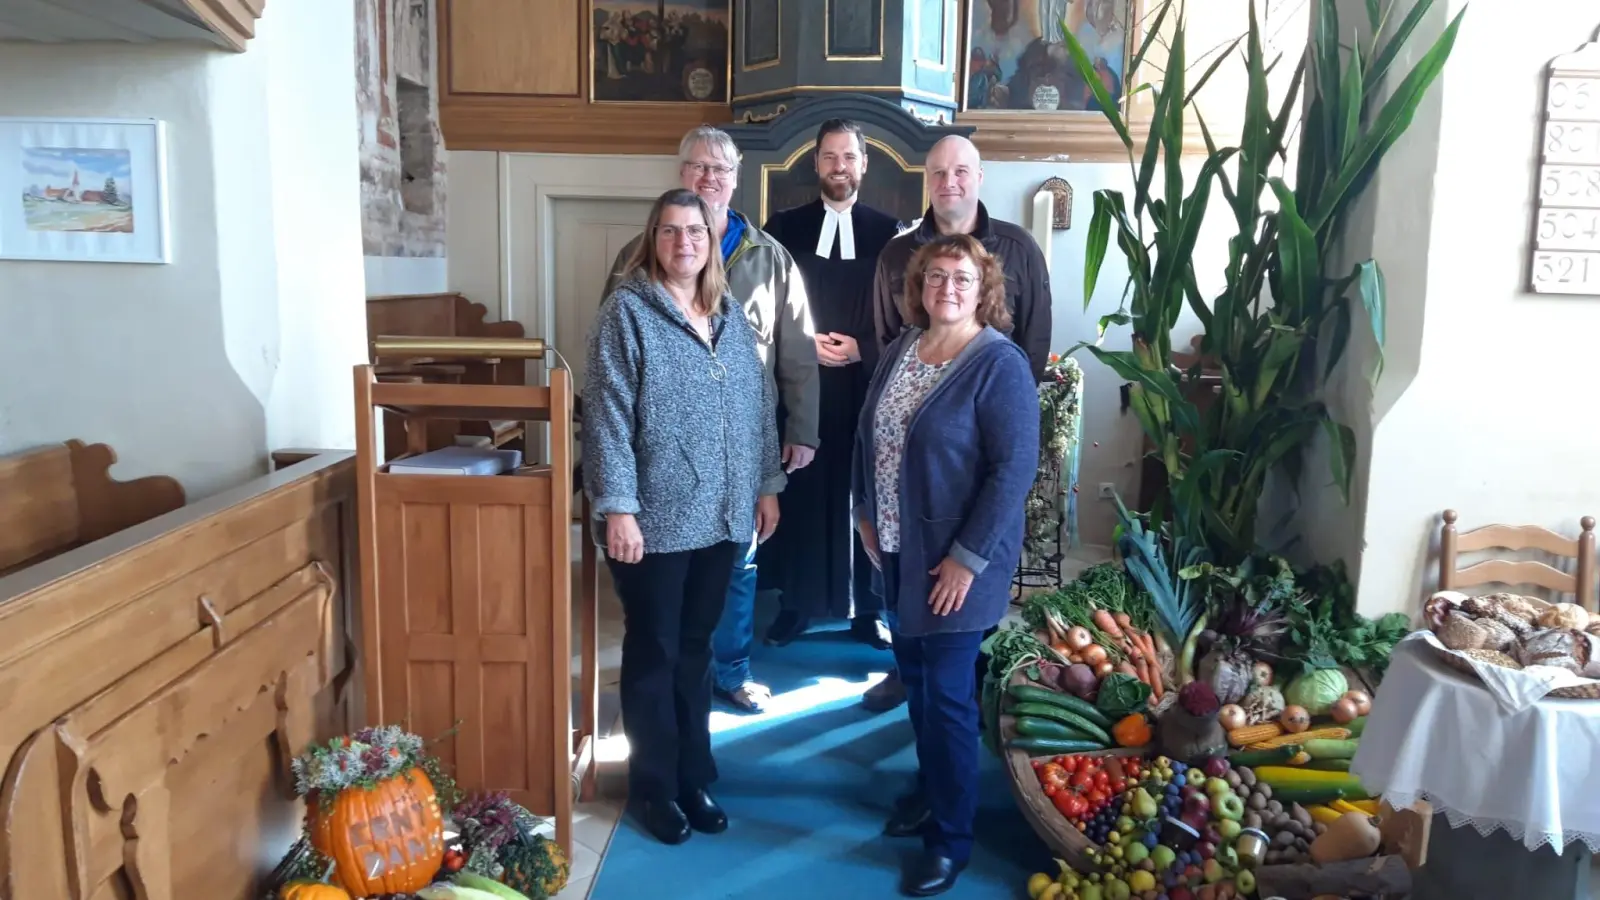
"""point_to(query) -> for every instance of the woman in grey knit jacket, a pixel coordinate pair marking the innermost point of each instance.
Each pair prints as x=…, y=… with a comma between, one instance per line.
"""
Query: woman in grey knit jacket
x=680, y=459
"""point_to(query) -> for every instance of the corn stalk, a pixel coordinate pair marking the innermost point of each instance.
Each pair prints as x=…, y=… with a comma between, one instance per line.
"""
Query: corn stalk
x=1280, y=305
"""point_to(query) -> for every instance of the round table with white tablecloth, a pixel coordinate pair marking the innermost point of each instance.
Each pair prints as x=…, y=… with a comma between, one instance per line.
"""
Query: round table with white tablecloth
x=1512, y=779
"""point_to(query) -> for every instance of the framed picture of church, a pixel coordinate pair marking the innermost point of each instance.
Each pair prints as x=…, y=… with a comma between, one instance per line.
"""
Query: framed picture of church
x=83, y=190
x=660, y=51
x=1017, y=58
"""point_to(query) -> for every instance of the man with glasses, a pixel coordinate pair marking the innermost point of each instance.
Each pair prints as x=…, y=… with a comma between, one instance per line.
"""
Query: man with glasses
x=764, y=279
x=953, y=173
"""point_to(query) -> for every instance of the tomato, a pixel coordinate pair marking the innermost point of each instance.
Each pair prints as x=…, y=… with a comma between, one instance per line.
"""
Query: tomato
x=1051, y=790
x=1069, y=804
x=1082, y=778
x=1097, y=798
x=1055, y=775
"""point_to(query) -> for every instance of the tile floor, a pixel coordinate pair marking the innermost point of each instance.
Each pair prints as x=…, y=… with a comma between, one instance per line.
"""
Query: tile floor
x=594, y=822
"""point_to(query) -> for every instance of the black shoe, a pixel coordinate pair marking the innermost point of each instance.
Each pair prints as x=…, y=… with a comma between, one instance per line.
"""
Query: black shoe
x=910, y=817
x=786, y=627
x=927, y=874
x=871, y=630
x=886, y=694
x=703, y=813
x=665, y=821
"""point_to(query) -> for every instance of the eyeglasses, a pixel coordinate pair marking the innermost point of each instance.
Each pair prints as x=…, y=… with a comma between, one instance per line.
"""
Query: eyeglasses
x=718, y=172
x=937, y=278
x=696, y=233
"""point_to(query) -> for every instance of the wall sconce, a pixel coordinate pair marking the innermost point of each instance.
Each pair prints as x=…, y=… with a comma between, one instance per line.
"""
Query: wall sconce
x=1052, y=211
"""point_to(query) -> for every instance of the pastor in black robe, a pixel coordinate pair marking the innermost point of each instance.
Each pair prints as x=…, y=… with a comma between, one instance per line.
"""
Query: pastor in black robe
x=815, y=556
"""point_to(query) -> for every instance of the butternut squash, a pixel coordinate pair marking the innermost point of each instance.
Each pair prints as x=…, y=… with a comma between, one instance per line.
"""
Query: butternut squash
x=1351, y=836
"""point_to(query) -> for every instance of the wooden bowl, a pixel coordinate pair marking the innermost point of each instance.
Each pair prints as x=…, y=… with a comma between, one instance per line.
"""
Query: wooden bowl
x=1061, y=836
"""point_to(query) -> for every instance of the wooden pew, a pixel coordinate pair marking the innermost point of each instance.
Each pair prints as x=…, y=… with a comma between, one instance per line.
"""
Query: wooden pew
x=62, y=496
x=157, y=683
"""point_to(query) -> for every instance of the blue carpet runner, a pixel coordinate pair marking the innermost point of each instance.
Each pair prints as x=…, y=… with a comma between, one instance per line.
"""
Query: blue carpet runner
x=807, y=787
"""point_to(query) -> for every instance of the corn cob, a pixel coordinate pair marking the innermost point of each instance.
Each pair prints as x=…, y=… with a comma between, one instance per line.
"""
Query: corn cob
x=1250, y=734
x=1329, y=733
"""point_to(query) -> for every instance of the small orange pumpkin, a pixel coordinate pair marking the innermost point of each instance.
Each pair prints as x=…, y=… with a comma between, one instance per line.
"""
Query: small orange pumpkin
x=387, y=840
x=1132, y=731
x=312, y=890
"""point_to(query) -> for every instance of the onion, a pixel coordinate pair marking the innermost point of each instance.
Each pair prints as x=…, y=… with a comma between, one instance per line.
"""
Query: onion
x=1103, y=669
x=1078, y=637
x=1094, y=654
x=1344, y=710
x=1232, y=716
x=1362, y=701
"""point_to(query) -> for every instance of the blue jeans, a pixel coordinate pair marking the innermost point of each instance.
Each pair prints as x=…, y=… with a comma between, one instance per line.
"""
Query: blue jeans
x=730, y=643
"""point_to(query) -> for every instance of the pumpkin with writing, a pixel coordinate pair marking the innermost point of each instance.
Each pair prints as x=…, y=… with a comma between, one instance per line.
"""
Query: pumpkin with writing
x=373, y=810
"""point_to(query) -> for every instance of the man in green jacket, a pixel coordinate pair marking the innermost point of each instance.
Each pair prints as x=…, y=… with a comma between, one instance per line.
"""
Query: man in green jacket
x=765, y=280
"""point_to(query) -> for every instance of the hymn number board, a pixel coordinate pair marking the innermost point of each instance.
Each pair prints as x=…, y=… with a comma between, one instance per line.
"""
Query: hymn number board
x=1566, y=257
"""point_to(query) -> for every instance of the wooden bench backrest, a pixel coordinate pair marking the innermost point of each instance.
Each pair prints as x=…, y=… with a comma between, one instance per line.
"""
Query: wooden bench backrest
x=1519, y=572
x=61, y=496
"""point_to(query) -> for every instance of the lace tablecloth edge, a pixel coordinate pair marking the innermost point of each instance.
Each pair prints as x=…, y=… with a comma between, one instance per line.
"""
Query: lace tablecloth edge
x=1558, y=840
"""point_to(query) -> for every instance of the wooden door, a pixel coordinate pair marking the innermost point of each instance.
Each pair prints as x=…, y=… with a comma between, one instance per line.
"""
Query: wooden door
x=588, y=236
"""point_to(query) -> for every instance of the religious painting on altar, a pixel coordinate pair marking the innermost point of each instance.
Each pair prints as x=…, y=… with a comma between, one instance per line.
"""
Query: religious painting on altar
x=660, y=52
x=1018, y=59
x=83, y=190
x=890, y=184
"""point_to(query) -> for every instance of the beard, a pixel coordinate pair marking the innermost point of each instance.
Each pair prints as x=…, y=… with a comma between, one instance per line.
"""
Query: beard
x=840, y=191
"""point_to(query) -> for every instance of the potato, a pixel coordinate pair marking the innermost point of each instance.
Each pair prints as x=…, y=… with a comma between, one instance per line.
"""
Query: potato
x=1319, y=828
x=1283, y=840
x=1252, y=819
x=1256, y=802
x=1264, y=790
x=1275, y=807
x=1247, y=777
x=1233, y=779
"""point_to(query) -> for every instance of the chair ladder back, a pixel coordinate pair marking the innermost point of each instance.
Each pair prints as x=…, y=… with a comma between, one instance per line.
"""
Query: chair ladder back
x=1580, y=583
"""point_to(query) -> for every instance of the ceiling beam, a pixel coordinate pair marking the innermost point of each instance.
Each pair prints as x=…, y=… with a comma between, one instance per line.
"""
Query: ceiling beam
x=232, y=20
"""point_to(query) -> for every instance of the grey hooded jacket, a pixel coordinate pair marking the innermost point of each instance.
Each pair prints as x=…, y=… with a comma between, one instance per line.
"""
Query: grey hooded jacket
x=680, y=433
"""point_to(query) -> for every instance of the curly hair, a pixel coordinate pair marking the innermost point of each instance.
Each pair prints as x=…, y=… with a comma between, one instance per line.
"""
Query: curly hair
x=991, y=287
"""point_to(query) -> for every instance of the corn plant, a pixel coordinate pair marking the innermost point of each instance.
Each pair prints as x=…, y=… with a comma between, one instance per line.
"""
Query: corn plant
x=1280, y=305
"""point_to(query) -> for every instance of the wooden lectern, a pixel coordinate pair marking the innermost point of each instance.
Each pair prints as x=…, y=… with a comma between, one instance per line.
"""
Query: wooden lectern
x=466, y=590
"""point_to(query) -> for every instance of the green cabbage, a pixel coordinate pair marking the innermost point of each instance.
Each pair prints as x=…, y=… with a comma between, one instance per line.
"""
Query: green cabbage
x=1317, y=690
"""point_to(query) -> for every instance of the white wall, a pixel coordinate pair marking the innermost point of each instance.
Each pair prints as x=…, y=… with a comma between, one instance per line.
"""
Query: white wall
x=1493, y=421
x=245, y=341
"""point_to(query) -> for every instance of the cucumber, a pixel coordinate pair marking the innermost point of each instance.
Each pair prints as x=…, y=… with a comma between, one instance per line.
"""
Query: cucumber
x=1306, y=796
x=1277, y=756
x=1029, y=726
x=1038, y=746
x=1028, y=693
x=1328, y=765
x=1088, y=730
x=1357, y=726
x=1322, y=748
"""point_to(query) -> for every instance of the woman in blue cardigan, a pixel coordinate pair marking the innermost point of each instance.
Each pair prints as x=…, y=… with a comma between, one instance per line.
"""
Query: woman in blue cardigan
x=946, y=451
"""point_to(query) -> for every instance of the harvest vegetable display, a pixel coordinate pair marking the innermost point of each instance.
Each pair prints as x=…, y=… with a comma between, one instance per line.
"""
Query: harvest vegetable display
x=483, y=847
x=1188, y=727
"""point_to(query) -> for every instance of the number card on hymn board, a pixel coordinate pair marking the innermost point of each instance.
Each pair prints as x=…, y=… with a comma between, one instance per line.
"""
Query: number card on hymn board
x=1566, y=249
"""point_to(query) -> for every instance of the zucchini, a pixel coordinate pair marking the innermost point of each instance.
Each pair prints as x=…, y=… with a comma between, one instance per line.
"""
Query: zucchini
x=1357, y=726
x=1306, y=796
x=1039, y=746
x=1088, y=730
x=1326, y=749
x=1277, y=756
x=1029, y=726
x=1028, y=693
x=1328, y=765
x=1294, y=776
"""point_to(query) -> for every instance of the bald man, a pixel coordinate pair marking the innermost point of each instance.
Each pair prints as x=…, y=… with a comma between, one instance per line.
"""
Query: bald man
x=953, y=174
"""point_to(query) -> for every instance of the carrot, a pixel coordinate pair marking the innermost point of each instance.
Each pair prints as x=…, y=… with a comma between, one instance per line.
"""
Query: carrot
x=1124, y=620
x=1106, y=622
x=1155, y=664
x=1127, y=668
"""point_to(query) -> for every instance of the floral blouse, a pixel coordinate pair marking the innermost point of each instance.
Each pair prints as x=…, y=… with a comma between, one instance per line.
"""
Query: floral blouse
x=910, y=384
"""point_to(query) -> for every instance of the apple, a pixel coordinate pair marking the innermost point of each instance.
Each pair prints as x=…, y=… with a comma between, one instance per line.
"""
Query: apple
x=1216, y=767
x=1229, y=829
x=1229, y=858
x=1188, y=791
x=1230, y=808
x=1180, y=893
x=1217, y=787
x=1211, y=836
x=1245, y=881
x=1195, y=820
x=1197, y=803
x=1213, y=871
x=1206, y=849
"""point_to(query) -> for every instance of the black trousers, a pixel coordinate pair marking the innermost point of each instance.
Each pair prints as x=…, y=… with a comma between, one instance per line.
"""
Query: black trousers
x=670, y=605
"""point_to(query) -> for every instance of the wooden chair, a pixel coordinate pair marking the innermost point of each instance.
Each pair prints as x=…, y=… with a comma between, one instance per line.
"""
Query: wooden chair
x=1580, y=582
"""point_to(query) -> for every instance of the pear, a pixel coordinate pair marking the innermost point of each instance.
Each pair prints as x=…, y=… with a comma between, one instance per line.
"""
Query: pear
x=1144, y=805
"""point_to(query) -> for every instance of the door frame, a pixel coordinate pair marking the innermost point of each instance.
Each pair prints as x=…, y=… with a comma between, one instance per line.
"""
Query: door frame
x=530, y=185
